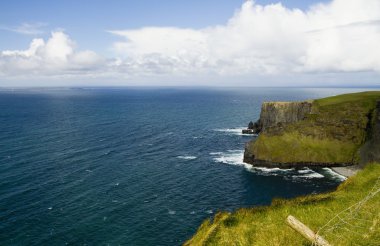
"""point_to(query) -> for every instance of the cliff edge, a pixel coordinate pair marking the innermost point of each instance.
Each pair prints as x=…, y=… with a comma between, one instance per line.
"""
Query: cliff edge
x=336, y=131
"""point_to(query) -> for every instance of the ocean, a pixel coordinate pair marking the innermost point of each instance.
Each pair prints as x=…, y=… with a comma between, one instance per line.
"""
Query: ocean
x=135, y=166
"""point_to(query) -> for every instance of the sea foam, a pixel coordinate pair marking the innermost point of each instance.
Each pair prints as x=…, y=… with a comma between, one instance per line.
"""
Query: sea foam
x=234, y=131
x=334, y=174
x=186, y=157
x=235, y=157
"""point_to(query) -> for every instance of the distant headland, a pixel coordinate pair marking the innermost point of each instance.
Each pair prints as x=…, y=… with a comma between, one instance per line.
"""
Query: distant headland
x=336, y=131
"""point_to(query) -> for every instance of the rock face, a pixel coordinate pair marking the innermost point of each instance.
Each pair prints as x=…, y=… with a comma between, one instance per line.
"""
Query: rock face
x=370, y=152
x=273, y=113
x=251, y=125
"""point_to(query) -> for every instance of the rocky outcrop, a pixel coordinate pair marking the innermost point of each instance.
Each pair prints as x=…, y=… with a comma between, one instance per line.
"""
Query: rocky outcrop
x=253, y=128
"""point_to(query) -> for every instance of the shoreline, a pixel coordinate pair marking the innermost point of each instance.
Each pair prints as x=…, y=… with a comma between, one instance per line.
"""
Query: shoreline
x=347, y=171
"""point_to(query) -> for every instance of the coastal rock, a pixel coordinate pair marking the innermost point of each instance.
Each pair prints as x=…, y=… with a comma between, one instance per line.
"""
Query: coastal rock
x=251, y=125
x=253, y=128
x=248, y=131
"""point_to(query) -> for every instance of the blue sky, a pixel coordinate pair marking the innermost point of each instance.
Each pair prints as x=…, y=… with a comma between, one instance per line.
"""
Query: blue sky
x=213, y=42
x=87, y=20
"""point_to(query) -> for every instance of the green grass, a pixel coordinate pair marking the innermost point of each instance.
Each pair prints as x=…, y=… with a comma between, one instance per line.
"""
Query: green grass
x=303, y=148
x=333, y=133
x=369, y=97
x=266, y=225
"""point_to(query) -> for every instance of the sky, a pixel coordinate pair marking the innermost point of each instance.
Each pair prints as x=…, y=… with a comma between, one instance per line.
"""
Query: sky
x=190, y=43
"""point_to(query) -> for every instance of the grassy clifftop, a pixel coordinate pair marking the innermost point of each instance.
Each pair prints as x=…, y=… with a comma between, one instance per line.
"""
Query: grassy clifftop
x=331, y=134
x=266, y=225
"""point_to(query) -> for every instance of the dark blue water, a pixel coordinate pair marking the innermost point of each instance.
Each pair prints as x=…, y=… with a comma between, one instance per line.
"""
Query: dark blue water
x=133, y=166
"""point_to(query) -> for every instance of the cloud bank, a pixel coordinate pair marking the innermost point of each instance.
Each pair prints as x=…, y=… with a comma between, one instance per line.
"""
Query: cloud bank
x=55, y=57
x=340, y=36
x=256, y=42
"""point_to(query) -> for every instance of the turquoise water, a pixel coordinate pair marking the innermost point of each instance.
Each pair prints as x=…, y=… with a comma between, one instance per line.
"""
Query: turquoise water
x=134, y=166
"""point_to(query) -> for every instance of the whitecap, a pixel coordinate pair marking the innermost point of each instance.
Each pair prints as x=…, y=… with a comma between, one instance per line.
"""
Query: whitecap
x=311, y=175
x=304, y=171
x=171, y=212
x=334, y=174
x=209, y=211
x=231, y=157
x=234, y=131
x=216, y=153
x=264, y=171
x=272, y=170
x=186, y=157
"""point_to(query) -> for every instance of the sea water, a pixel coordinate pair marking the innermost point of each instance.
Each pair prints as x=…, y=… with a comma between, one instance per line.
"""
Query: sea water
x=134, y=166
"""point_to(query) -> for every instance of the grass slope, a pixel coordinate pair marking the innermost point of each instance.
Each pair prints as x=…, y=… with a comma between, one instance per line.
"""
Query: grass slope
x=333, y=133
x=266, y=225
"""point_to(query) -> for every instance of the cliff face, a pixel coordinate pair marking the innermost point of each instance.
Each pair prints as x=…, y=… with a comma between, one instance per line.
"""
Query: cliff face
x=273, y=113
x=273, y=117
x=370, y=152
x=324, y=132
x=276, y=113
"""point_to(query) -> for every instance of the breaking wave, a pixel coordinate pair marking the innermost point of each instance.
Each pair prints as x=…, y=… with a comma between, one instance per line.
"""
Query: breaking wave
x=187, y=157
x=235, y=157
x=234, y=131
x=333, y=174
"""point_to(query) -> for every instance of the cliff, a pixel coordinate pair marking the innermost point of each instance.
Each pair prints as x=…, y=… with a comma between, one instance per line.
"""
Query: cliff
x=334, y=131
x=274, y=113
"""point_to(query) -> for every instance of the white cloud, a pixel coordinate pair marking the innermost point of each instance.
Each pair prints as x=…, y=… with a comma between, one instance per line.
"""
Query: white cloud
x=259, y=45
x=56, y=56
x=341, y=36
